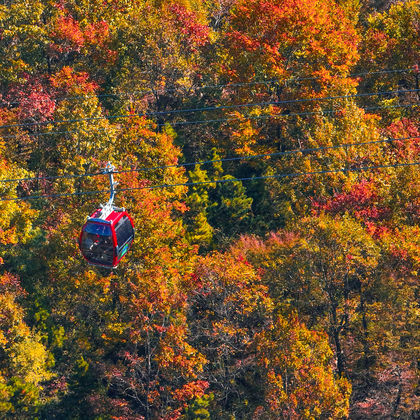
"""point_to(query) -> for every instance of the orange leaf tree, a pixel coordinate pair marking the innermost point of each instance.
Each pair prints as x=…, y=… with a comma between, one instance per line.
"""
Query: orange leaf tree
x=249, y=348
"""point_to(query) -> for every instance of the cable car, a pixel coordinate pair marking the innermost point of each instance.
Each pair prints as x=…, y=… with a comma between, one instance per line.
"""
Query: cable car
x=108, y=232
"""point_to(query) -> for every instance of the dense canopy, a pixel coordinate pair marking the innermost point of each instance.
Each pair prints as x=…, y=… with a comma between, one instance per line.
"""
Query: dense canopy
x=268, y=154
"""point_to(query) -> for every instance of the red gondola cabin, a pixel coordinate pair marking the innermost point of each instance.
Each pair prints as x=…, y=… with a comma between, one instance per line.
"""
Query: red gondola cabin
x=106, y=236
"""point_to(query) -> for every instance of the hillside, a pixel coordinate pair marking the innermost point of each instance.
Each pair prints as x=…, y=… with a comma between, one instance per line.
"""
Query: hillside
x=268, y=155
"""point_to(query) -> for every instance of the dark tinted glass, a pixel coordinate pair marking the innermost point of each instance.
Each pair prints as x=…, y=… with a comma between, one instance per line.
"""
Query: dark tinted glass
x=97, y=248
x=124, y=231
x=98, y=229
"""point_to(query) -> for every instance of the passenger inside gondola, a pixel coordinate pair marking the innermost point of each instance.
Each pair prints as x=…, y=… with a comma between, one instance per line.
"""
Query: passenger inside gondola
x=97, y=243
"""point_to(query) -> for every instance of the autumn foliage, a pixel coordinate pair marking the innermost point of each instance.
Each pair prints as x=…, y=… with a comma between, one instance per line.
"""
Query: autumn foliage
x=268, y=154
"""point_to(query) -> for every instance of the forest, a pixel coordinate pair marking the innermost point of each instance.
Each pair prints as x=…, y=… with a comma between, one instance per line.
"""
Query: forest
x=268, y=154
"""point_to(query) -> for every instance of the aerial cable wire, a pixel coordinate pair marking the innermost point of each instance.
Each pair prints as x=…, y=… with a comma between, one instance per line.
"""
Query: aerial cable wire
x=228, y=85
x=46, y=133
x=282, y=115
x=228, y=159
x=217, y=181
x=264, y=155
x=109, y=117
x=282, y=102
x=50, y=133
x=271, y=81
